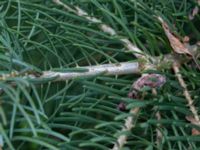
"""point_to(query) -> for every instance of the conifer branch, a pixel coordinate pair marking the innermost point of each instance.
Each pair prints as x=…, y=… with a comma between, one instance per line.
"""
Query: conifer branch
x=37, y=41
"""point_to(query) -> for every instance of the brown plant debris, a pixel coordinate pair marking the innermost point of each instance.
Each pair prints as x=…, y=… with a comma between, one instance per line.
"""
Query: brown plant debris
x=195, y=122
x=147, y=80
x=150, y=80
x=175, y=43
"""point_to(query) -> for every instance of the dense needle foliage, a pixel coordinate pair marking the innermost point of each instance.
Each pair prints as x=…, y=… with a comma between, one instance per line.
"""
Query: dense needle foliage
x=39, y=35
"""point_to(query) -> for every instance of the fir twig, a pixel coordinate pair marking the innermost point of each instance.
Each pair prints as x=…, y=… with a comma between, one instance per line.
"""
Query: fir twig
x=129, y=124
x=159, y=135
x=107, y=69
x=104, y=27
x=186, y=93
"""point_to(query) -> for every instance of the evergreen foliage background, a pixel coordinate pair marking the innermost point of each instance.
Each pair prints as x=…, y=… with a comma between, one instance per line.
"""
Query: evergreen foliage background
x=39, y=35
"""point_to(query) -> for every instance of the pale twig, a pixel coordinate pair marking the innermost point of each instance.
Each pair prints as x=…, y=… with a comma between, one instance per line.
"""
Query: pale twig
x=186, y=93
x=106, y=69
x=129, y=124
x=159, y=135
x=86, y=71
